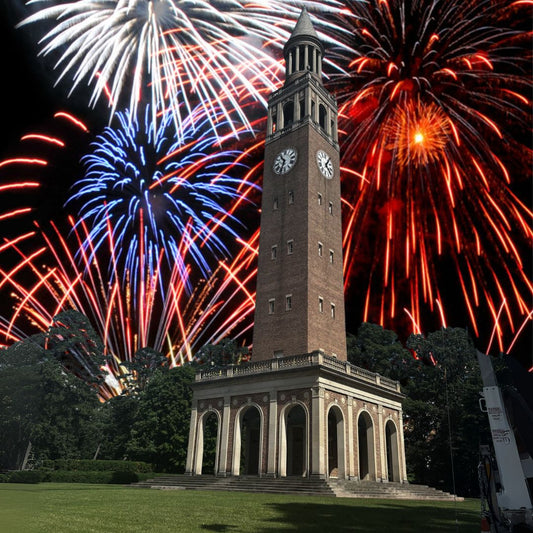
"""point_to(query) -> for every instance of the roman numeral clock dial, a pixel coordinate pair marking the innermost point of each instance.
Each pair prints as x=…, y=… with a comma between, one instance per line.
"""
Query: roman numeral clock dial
x=324, y=164
x=285, y=160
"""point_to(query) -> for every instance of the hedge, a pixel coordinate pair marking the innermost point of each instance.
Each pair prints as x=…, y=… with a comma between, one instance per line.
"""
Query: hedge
x=26, y=476
x=89, y=465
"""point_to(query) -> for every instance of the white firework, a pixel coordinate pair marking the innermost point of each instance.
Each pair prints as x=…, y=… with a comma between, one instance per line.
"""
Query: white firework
x=180, y=53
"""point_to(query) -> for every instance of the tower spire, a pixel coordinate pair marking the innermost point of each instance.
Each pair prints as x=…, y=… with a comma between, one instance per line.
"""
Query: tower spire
x=304, y=50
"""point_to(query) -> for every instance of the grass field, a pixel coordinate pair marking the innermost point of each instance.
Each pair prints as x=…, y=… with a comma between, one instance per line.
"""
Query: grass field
x=80, y=508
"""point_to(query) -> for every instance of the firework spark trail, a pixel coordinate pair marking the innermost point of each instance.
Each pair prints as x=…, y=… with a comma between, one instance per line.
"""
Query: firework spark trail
x=161, y=193
x=432, y=120
x=182, y=53
x=158, y=313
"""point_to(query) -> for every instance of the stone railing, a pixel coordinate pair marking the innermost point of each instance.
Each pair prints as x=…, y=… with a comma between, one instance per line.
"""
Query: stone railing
x=316, y=358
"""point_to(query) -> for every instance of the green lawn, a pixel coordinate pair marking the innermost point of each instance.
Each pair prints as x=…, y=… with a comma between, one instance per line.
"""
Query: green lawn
x=80, y=508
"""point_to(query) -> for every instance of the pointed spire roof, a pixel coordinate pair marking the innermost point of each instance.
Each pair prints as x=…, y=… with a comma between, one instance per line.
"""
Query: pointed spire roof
x=304, y=30
x=304, y=26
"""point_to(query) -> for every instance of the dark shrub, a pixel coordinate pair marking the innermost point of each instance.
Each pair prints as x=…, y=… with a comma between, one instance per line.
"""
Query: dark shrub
x=26, y=476
x=87, y=465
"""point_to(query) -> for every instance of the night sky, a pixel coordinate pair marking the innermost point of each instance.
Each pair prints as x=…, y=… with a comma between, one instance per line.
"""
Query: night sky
x=30, y=101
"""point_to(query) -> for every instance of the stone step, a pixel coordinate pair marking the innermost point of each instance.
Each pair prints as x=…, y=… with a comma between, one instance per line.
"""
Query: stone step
x=299, y=485
x=370, y=489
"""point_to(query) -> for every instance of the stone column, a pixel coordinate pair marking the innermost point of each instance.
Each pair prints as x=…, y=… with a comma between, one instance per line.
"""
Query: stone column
x=224, y=438
x=191, y=448
x=350, y=452
x=318, y=449
x=272, y=444
x=401, y=451
x=382, y=445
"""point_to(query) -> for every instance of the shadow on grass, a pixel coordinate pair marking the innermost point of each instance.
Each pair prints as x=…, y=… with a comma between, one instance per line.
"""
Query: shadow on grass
x=383, y=517
x=217, y=527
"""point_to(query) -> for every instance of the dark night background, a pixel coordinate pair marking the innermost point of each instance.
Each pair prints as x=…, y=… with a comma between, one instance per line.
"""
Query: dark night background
x=30, y=101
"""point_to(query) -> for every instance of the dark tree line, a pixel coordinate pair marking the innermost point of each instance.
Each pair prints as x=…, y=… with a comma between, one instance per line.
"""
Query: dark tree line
x=49, y=384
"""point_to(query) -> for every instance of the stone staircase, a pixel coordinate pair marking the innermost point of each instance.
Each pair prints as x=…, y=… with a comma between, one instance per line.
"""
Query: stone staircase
x=393, y=491
x=297, y=485
x=287, y=485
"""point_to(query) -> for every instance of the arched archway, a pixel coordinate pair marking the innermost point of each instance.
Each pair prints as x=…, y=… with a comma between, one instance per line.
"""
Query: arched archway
x=393, y=460
x=365, y=434
x=293, y=442
x=208, y=438
x=247, y=442
x=336, y=445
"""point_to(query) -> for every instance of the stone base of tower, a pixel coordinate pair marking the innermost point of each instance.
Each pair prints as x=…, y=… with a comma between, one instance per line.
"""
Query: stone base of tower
x=309, y=415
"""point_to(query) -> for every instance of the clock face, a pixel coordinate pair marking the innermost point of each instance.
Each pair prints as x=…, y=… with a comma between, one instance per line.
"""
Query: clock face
x=285, y=160
x=324, y=164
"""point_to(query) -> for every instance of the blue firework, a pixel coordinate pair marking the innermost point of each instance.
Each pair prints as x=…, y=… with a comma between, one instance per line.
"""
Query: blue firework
x=157, y=198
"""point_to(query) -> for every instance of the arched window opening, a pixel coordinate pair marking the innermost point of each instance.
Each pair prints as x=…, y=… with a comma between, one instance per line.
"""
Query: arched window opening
x=209, y=452
x=365, y=433
x=336, y=445
x=302, y=108
x=393, y=463
x=310, y=54
x=322, y=115
x=295, y=445
x=288, y=114
x=250, y=434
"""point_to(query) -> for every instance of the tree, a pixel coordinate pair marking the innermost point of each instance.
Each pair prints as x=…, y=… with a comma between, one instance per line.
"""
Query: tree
x=19, y=398
x=444, y=420
x=379, y=350
x=161, y=431
x=441, y=380
x=142, y=367
x=43, y=404
x=71, y=339
x=226, y=352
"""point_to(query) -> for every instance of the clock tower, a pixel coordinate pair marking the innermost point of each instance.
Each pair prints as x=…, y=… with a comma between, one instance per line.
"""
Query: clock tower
x=299, y=408
x=300, y=298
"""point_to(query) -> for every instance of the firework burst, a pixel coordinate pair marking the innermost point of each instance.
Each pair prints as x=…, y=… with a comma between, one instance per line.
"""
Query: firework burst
x=433, y=112
x=161, y=193
x=181, y=53
x=156, y=312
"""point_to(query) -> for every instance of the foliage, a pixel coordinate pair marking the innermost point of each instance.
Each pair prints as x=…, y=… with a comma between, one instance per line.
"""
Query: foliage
x=72, y=340
x=446, y=387
x=26, y=476
x=42, y=404
x=20, y=398
x=439, y=376
x=120, y=477
x=379, y=350
x=226, y=352
x=142, y=367
x=118, y=416
x=161, y=430
x=86, y=465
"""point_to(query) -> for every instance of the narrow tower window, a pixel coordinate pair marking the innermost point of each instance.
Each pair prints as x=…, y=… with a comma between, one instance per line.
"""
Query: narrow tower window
x=330, y=208
x=320, y=249
x=288, y=114
x=322, y=113
x=271, y=306
x=291, y=197
x=320, y=304
x=274, y=252
x=290, y=247
x=331, y=256
x=319, y=199
x=275, y=203
x=333, y=311
x=288, y=302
